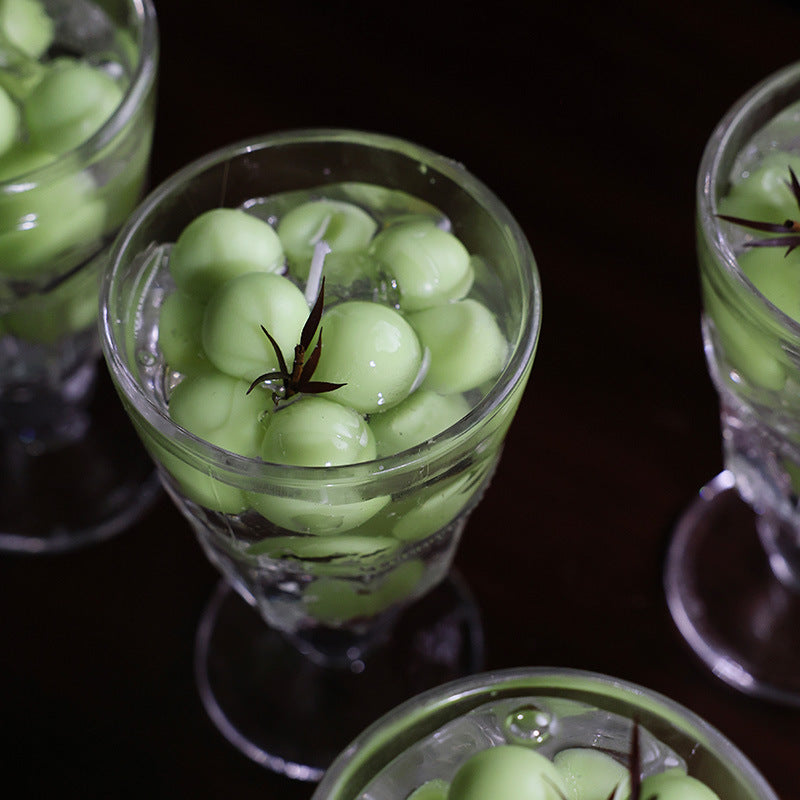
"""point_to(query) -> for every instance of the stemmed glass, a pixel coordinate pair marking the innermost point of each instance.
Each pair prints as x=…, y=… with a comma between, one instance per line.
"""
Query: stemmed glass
x=733, y=567
x=332, y=558
x=551, y=711
x=70, y=473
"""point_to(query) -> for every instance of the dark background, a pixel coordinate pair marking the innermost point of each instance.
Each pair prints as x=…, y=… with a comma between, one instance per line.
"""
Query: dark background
x=588, y=120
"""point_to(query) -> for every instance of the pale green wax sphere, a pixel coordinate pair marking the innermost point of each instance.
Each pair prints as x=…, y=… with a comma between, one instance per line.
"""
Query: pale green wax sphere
x=674, y=784
x=467, y=347
x=69, y=104
x=344, y=227
x=315, y=432
x=9, y=121
x=431, y=266
x=180, y=329
x=26, y=24
x=221, y=244
x=215, y=407
x=419, y=417
x=232, y=335
x=764, y=195
x=373, y=350
x=591, y=774
x=507, y=771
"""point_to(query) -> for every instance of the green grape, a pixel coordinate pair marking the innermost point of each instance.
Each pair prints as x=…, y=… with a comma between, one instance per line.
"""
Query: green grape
x=431, y=266
x=343, y=226
x=419, y=417
x=180, y=327
x=507, y=771
x=466, y=345
x=591, y=774
x=335, y=601
x=764, y=195
x=35, y=232
x=69, y=104
x=26, y=24
x=231, y=331
x=435, y=789
x=219, y=245
x=196, y=484
x=674, y=784
x=347, y=548
x=9, y=121
x=371, y=349
x=217, y=408
x=315, y=432
x=776, y=275
x=46, y=317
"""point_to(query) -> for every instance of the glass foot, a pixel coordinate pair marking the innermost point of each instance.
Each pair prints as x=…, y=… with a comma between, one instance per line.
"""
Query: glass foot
x=293, y=716
x=81, y=492
x=726, y=601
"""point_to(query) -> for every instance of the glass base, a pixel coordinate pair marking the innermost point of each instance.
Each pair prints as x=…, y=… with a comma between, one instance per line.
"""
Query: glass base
x=85, y=490
x=293, y=716
x=729, y=606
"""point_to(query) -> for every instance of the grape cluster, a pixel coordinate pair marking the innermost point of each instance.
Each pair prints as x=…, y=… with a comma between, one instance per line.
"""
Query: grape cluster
x=405, y=367
x=576, y=773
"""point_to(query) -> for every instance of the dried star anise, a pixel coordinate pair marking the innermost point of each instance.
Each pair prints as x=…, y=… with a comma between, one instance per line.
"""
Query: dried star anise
x=790, y=228
x=299, y=379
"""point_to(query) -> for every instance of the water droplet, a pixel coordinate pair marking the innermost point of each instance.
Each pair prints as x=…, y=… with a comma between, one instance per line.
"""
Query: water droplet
x=145, y=358
x=528, y=724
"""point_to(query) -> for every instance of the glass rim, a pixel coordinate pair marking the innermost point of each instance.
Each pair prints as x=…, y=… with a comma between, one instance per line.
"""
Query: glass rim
x=141, y=82
x=384, y=730
x=784, y=84
x=409, y=460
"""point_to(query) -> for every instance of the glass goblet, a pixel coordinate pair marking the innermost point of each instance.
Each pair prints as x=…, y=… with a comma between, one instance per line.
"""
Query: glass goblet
x=733, y=568
x=563, y=714
x=328, y=556
x=69, y=474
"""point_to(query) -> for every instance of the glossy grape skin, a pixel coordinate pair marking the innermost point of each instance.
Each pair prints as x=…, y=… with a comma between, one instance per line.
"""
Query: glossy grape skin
x=335, y=601
x=591, y=774
x=372, y=349
x=180, y=329
x=231, y=332
x=419, y=417
x=507, y=771
x=764, y=195
x=435, y=789
x=344, y=227
x=431, y=266
x=217, y=408
x=221, y=244
x=9, y=121
x=315, y=432
x=69, y=104
x=27, y=26
x=35, y=233
x=674, y=784
x=466, y=345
